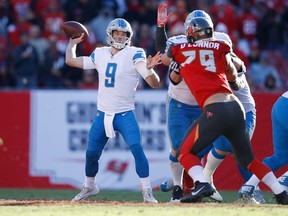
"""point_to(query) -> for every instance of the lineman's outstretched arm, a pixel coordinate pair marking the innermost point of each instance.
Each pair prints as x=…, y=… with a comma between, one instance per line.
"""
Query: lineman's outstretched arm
x=161, y=39
x=162, y=19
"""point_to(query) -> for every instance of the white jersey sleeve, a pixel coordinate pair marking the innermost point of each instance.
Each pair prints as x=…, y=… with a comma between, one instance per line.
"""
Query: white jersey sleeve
x=118, y=78
x=181, y=91
x=245, y=96
x=88, y=63
x=224, y=37
x=178, y=39
x=139, y=60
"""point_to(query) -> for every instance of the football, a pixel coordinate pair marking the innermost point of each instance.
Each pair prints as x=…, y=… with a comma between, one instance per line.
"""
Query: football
x=74, y=29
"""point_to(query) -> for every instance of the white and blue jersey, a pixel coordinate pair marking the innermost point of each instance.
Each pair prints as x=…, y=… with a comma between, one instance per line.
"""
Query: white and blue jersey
x=181, y=91
x=245, y=96
x=118, y=77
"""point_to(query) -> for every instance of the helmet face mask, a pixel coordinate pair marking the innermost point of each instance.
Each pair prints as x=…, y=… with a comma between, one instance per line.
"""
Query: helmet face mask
x=119, y=38
x=119, y=41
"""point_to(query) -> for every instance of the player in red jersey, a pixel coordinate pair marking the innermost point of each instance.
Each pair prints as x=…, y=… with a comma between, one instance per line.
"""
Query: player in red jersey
x=206, y=66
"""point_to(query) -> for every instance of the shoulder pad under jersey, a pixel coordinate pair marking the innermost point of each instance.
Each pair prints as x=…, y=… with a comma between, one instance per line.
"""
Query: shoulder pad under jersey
x=178, y=39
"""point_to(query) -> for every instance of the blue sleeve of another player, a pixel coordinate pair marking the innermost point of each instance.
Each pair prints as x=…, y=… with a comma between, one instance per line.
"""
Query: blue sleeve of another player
x=139, y=56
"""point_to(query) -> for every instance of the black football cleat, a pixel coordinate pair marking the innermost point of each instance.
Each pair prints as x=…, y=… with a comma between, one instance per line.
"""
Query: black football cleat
x=177, y=194
x=282, y=198
x=200, y=191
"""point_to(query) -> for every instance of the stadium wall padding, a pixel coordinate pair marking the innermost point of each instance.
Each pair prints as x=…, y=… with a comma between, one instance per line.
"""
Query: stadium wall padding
x=21, y=139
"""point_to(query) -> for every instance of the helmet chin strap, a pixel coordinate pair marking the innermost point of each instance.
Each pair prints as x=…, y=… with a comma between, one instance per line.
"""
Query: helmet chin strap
x=118, y=45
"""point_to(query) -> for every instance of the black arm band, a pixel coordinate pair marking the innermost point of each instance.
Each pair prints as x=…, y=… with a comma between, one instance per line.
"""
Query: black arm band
x=237, y=85
x=161, y=39
x=173, y=82
x=177, y=72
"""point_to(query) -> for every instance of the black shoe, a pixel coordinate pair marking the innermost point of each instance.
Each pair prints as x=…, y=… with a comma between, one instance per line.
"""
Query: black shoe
x=200, y=191
x=282, y=198
x=177, y=194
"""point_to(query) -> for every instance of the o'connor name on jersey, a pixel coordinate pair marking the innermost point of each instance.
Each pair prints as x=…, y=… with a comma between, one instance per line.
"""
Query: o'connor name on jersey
x=202, y=44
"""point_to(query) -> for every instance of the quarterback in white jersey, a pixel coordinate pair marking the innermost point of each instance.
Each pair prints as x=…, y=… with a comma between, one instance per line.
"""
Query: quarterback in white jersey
x=119, y=67
x=118, y=77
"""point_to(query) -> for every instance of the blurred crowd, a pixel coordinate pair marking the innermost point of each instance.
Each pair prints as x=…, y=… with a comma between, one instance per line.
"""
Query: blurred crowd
x=32, y=43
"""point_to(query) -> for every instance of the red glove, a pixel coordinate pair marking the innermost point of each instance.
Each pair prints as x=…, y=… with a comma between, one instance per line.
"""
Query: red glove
x=162, y=17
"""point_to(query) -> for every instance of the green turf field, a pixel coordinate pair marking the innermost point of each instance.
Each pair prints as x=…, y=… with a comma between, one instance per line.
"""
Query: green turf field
x=122, y=203
x=113, y=195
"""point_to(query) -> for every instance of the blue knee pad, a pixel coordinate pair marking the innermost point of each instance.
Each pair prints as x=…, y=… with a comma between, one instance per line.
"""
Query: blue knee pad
x=244, y=173
x=223, y=144
x=141, y=162
x=275, y=162
x=204, y=151
x=173, y=159
x=92, y=165
x=216, y=155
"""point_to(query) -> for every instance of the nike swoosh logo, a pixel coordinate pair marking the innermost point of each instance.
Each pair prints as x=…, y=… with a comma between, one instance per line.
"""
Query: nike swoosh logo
x=195, y=193
x=123, y=114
